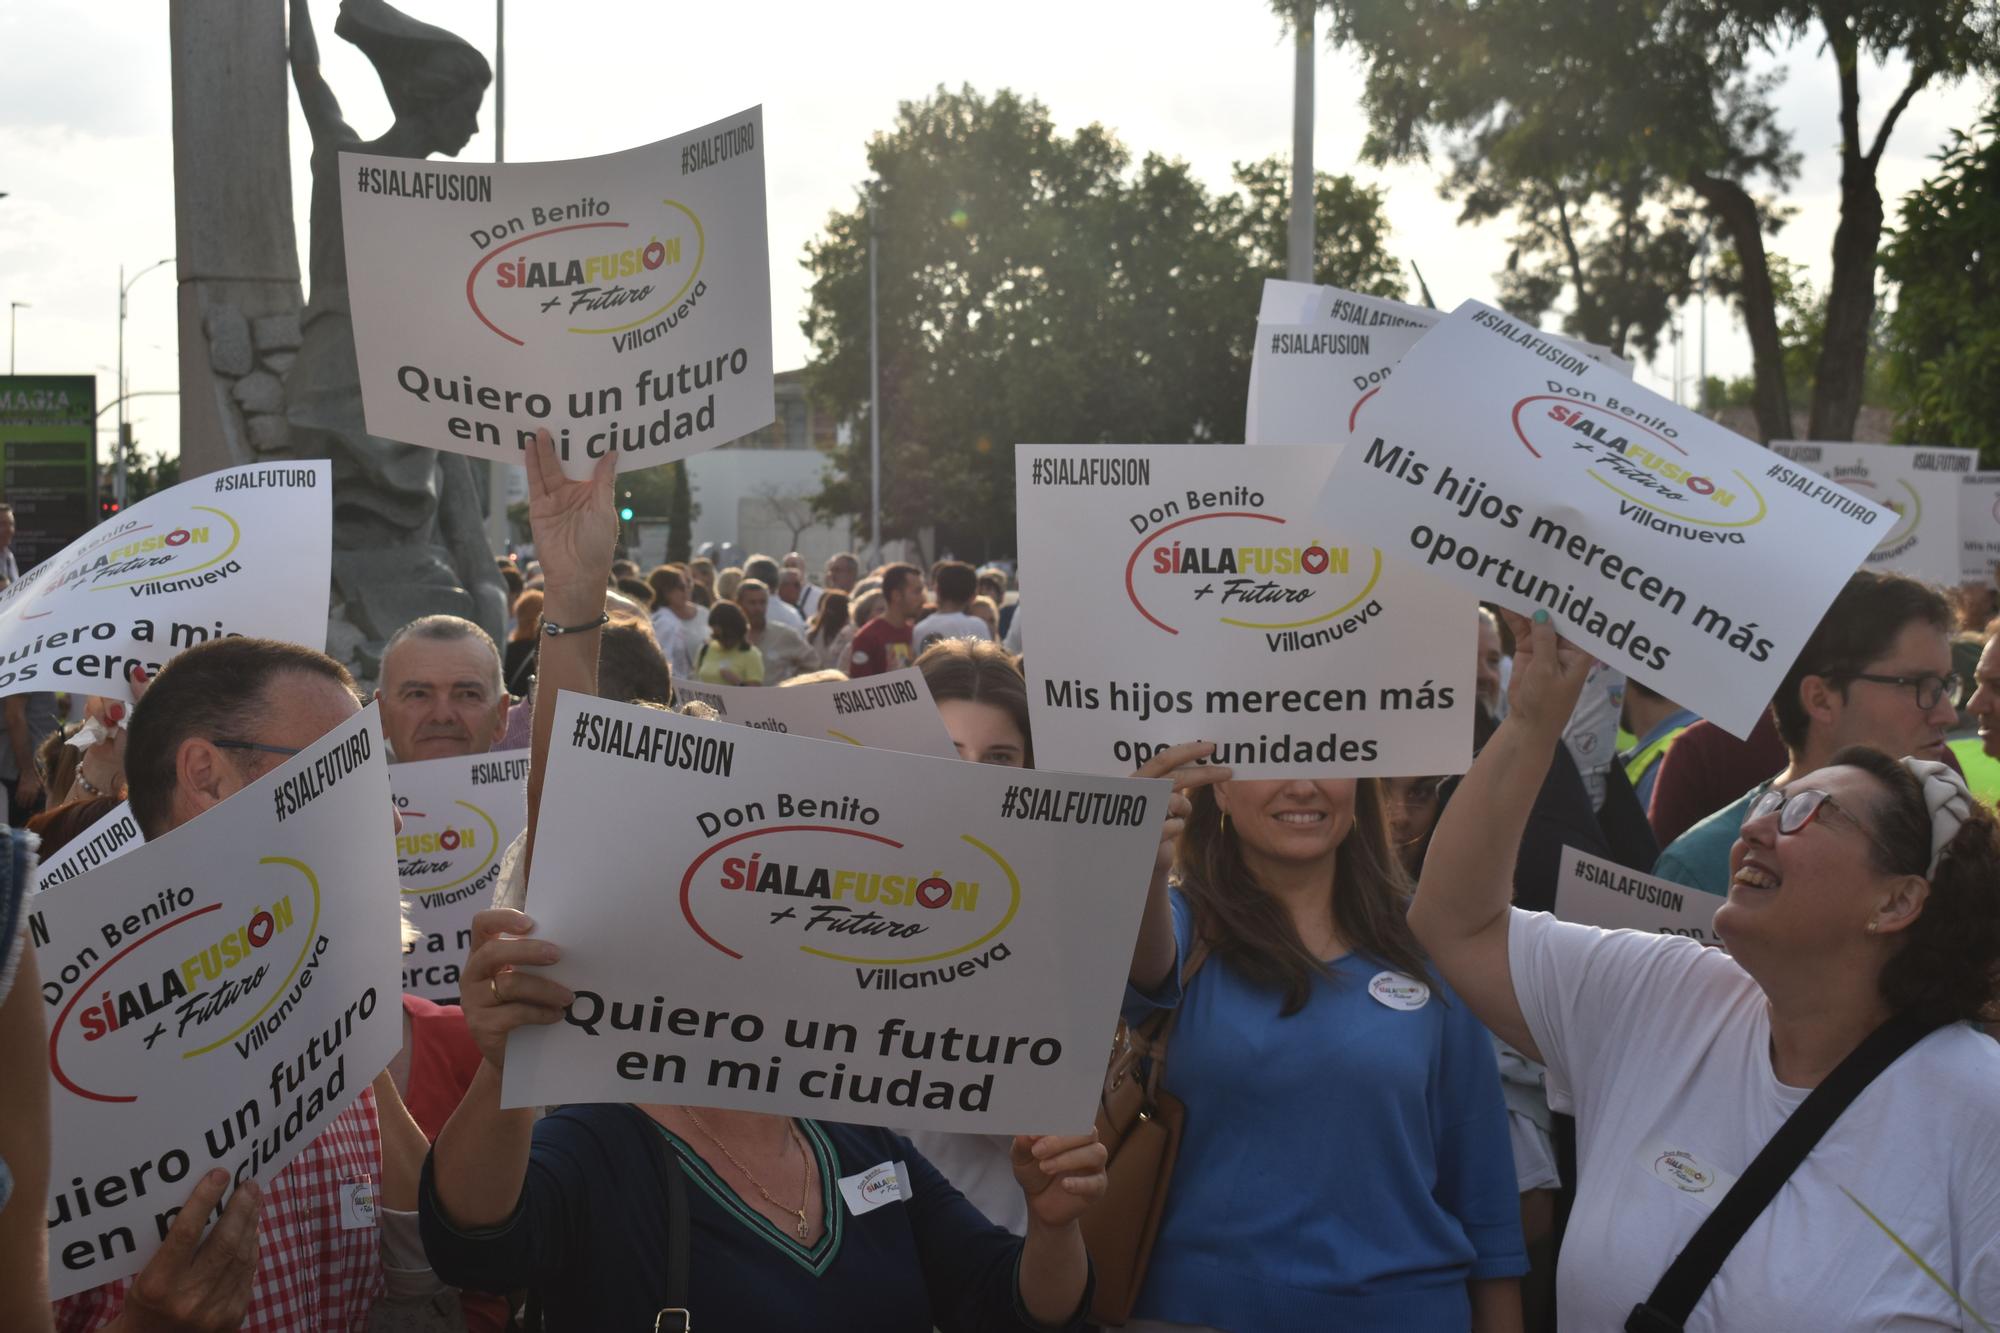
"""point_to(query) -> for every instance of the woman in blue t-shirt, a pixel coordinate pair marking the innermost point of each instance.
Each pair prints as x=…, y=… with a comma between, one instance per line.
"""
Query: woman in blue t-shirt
x=1345, y=1163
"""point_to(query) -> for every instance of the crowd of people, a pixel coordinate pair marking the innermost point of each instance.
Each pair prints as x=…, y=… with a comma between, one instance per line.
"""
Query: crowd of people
x=1408, y=1084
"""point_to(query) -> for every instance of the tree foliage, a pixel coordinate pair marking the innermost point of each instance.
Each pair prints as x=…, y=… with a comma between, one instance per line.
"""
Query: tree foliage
x=1944, y=340
x=1041, y=287
x=1623, y=110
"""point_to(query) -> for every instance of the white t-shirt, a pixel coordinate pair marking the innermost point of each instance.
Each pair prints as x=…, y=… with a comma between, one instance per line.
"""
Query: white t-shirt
x=781, y=612
x=1661, y=1049
x=939, y=625
x=981, y=1167
x=681, y=640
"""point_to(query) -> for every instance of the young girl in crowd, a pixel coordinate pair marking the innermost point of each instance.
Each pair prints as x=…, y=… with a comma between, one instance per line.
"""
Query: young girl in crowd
x=1345, y=1161
x=829, y=623
x=727, y=658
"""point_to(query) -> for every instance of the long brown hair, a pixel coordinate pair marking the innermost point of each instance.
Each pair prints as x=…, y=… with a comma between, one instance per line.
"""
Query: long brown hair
x=1253, y=931
x=980, y=672
x=830, y=619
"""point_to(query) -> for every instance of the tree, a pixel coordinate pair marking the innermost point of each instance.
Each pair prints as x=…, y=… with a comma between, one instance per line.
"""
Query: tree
x=680, y=517
x=145, y=473
x=1801, y=307
x=1662, y=91
x=1037, y=287
x=1942, y=40
x=792, y=510
x=1944, y=343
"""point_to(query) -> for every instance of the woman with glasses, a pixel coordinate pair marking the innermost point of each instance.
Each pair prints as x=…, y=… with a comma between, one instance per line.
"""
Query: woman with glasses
x=1864, y=891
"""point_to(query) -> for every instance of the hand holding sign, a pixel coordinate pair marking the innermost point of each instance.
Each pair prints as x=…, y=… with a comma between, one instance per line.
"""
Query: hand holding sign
x=1062, y=1175
x=1549, y=672
x=194, y=1282
x=501, y=948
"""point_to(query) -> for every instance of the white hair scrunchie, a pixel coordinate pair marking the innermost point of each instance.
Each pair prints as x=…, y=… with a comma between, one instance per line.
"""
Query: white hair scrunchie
x=1946, y=799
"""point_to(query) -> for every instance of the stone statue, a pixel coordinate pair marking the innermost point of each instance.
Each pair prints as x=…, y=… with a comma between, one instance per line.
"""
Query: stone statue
x=407, y=520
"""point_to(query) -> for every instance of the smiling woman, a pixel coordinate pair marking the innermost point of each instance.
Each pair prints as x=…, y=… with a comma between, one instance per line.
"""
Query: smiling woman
x=1318, y=1008
x=1861, y=908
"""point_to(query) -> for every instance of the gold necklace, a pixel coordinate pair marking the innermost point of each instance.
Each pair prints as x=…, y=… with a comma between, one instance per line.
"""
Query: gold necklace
x=805, y=1160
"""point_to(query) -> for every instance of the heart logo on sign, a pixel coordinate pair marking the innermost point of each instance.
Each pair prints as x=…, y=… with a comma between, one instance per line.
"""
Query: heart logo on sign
x=934, y=892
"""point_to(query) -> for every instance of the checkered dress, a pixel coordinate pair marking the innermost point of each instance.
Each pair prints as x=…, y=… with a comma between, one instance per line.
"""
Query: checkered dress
x=311, y=1273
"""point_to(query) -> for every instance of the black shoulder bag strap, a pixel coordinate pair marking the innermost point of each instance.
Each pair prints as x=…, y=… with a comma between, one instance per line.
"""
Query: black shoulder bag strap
x=1673, y=1299
x=674, y=1316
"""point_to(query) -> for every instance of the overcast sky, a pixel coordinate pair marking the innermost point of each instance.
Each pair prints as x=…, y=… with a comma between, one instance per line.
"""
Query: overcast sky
x=86, y=150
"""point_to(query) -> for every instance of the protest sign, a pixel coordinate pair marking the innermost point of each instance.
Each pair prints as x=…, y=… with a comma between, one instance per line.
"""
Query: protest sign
x=1198, y=598
x=458, y=817
x=1923, y=488
x=1596, y=892
x=247, y=550
x=1669, y=547
x=622, y=303
x=214, y=999
x=1979, y=526
x=103, y=842
x=890, y=711
x=806, y=928
x=1322, y=352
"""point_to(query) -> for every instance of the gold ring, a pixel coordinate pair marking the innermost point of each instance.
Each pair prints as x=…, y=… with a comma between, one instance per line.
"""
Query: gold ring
x=494, y=982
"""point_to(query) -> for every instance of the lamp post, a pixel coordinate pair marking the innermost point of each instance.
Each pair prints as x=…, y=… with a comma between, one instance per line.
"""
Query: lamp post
x=1299, y=239
x=874, y=399
x=124, y=427
x=13, y=306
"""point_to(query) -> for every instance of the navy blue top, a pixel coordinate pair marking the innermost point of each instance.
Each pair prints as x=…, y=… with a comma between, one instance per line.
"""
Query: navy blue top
x=1345, y=1168
x=590, y=1234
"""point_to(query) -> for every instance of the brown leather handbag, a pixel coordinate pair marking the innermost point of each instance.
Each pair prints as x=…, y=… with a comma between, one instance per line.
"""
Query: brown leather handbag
x=1140, y=1125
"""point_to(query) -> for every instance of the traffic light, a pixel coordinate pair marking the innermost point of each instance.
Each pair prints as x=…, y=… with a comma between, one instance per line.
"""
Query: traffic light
x=106, y=508
x=624, y=514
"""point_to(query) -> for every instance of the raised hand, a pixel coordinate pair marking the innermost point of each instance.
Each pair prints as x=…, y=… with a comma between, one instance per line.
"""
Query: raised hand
x=575, y=526
x=502, y=987
x=1549, y=672
x=1182, y=763
x=1061, y=1175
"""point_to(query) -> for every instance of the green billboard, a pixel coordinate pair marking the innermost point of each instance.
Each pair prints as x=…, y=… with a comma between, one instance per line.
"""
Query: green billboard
x=48, y=461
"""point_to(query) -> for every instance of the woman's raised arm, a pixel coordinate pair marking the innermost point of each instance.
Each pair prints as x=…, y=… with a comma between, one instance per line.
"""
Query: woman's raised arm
x=1464, y=897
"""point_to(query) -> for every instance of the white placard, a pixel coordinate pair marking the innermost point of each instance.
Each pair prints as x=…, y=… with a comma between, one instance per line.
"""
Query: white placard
x=1323, y=352
x=458, y=818
x=1197, y=598
x=1979, y=526
x=113, y=835
x=1923, y=487
x=1671, y=548
x=890, y=711
x=248, y=550
x=806, y=928
x=621, y=302
x=1595, y=892
x=215, y=998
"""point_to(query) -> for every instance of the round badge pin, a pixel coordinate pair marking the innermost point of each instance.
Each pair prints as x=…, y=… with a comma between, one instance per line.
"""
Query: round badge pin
x=1399, y=992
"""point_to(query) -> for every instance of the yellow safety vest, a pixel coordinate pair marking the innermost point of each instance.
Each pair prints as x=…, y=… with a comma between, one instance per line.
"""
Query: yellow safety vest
x=1639, y=761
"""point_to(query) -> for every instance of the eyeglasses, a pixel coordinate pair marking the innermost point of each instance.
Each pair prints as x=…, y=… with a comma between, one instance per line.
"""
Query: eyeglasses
x=1929, y=689
x=1799, y=807
x=286, y=750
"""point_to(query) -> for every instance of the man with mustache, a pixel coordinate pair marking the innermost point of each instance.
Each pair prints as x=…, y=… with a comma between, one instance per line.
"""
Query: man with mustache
x=441, y=691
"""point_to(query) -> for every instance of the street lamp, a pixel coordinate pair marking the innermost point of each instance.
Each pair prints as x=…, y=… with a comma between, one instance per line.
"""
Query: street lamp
x=124, y=427
x=874, y=397
x=12, y=306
